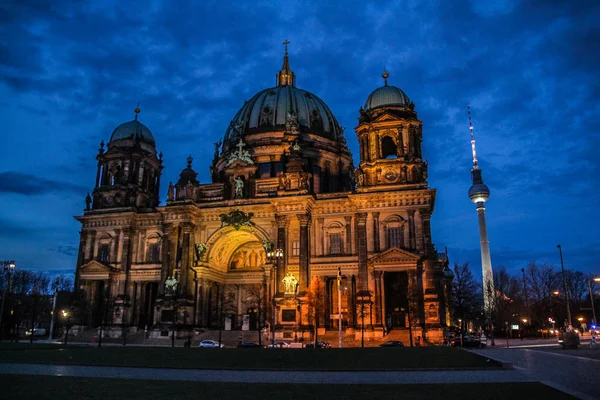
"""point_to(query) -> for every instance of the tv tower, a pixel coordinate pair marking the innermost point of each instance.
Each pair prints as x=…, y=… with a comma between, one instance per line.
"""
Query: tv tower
x=479, y=193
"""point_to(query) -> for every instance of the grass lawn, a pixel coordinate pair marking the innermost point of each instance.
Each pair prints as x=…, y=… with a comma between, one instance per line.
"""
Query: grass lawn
x=352, y=359
x=50, y=387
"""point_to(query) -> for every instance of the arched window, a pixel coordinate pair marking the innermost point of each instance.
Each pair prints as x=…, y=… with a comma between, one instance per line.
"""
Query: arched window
x=153, y=247
x=388, y=148
x=104, y=245
x=393, y=227
x=334, y=236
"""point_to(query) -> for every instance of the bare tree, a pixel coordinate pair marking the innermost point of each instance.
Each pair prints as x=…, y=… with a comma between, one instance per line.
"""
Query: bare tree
x=542, y=281
x=316, y=304
x=466, y=294
x=507, y=299
x=64, y=283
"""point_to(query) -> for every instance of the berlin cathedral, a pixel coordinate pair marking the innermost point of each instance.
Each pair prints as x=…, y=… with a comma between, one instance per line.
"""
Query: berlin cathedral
x=289, y=236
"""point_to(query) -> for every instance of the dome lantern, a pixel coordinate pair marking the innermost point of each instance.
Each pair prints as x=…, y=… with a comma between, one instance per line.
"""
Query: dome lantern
x=286, y=76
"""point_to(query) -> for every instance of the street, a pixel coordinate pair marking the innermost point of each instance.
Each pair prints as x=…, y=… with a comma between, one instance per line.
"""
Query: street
x=574, y=371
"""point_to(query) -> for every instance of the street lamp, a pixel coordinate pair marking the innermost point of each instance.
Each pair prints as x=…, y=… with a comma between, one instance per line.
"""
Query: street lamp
x=7, y=268
x=595, y=279
x=273, y=256
x=562, y=265
x=67, y=318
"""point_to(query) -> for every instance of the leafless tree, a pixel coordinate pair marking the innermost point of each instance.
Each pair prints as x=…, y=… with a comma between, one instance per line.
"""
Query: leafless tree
x=466, y=294
x=316, y=304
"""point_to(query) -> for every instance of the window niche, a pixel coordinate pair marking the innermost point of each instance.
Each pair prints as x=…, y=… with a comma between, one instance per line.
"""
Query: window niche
x=153, y=248
x=389, y=149
x=334, y=237
x=393, y=228
x=104, y=246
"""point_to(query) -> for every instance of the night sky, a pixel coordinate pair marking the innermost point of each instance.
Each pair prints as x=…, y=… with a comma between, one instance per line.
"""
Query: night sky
x=72, y=71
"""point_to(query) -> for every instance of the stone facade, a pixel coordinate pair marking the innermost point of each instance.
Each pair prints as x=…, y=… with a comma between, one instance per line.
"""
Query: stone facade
x=289, y=186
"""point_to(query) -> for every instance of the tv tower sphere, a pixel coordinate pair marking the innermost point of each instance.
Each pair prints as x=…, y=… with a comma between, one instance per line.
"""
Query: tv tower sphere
x=479, y=193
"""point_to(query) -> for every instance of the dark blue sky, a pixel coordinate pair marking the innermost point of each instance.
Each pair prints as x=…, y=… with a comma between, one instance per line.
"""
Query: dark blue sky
x=71, y=71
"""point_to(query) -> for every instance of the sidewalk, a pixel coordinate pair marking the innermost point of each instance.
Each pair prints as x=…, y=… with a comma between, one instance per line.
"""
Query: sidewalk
x=383, y=377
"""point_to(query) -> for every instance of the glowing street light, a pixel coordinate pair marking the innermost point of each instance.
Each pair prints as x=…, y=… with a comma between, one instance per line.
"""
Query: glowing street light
x=67, y=316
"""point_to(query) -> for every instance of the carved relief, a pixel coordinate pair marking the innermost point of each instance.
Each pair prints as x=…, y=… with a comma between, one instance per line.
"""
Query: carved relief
x=248, y=256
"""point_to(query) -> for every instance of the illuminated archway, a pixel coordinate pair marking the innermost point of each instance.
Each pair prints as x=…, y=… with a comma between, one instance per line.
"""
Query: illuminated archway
x=227, y=242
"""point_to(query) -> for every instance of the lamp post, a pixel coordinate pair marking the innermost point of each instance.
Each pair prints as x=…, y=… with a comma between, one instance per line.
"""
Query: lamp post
x=7, y=268
x=53, y=311
x=339, y=282
x=562, y=265
x=274, y=256
x=67, y=316
x=596, y=279
x=525, y=292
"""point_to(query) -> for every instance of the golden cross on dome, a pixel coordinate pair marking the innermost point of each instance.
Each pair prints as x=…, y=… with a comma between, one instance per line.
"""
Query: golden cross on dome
x=286, y=43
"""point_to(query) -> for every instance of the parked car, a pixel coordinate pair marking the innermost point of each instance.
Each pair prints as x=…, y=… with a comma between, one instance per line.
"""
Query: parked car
x=210, y=343
x=249, y=344
x=467, y=341
x=320, y=345
x=35, y=332
x=392, y=343
x=279, y=345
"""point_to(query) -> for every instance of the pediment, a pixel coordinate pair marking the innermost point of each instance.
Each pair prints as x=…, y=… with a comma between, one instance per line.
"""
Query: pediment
x=95, y=267
x=395, y=256
x=386, y=117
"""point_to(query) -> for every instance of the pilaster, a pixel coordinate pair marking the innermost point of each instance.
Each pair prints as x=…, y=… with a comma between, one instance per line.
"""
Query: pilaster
x=363, y=277
x=376, y=243
x=378, y=297
x=411, y=229
x=282, y=225
x=186, y=260
x=321, y=236
x=426, y=229
x=348, y=240
x=304, y=272
x=126, y=261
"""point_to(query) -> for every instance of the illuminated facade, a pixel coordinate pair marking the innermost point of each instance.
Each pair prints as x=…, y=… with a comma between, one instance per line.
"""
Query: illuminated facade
x=282, y=178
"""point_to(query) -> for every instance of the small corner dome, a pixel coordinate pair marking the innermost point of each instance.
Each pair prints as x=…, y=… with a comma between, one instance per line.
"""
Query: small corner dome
x=132, y=130
x=386, y=96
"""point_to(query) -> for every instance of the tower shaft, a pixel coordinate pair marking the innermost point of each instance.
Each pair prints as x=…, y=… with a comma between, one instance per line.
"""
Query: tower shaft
x=486, y=261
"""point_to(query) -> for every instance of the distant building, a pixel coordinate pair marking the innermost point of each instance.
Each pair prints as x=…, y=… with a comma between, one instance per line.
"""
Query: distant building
x=282, y=178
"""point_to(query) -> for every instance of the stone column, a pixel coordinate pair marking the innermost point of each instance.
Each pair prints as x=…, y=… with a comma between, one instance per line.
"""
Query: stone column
x=419, y=232
x=411, y=229
x=378, y=299
x=282, y=224
x=168, y=233
x=363, y=275
x=186, y=260
x=321, y=235
x=126, y=261
x=304, y=272
x=348, y=234
x=327, y=303
x=426, y=229
x=376, y=243
x=80, y=257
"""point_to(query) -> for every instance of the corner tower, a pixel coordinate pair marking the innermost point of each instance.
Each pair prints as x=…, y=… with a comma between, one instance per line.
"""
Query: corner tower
x=129, y=170
x=389, y=135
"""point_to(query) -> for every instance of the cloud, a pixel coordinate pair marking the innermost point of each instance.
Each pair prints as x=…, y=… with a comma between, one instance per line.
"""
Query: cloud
x=31, y=185
x=73, y=71
x=69, y=250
